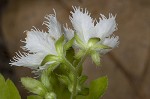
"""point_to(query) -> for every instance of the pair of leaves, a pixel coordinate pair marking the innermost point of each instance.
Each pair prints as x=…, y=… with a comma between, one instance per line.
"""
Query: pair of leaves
x=8, y=89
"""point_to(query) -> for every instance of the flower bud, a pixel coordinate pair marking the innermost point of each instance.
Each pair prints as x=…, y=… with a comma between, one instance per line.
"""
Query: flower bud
x=34, y=86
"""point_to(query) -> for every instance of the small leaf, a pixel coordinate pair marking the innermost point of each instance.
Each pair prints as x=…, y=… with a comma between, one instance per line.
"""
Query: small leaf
x=98, y=87
x=49, y=58
x=34, y=97
x=59, y=45
x=69, y=44
x=34, y=86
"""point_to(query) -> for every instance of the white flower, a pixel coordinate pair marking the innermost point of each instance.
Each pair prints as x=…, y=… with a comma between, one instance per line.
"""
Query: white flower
x=39, y=44
x=85, y=27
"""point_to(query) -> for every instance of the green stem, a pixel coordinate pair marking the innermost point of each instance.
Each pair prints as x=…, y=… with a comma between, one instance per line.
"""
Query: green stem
x=80, y=63
x=75, y=74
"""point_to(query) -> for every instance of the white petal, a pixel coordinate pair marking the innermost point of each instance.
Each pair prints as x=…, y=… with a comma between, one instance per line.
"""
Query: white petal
x=53, y=26
x=106, y=26
x=32, y=61
x=69, y=33
x=38, y=41
x=82, y=23
x=111, y=41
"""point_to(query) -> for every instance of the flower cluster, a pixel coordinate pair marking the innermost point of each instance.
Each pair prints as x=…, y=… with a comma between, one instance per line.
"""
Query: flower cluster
x=90, y=37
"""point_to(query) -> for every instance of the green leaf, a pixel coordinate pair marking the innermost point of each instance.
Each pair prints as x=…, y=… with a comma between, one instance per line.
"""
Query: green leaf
x=34, y=86
x=49, y=58
x=93, y=41
x=69, y=44
x=8, y=89
x=59, y=45
x=98, y=87
x=12, y=90
x=3, y=89
x=34, y=97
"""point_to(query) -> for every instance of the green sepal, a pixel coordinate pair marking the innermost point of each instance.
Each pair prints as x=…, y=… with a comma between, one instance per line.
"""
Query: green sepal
x=33, y=86
x=79, y=41
x=97, y=88
x=45, y=80
x=34, y=97
x=95, y=57
x=93, y=41
x=82, y=79
x=59, y=45
x=8, y=90
x=49, y=58
x=101, y=46
x=69, y=44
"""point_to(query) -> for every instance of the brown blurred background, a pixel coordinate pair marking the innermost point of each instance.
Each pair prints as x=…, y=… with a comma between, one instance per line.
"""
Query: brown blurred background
x=128, y=66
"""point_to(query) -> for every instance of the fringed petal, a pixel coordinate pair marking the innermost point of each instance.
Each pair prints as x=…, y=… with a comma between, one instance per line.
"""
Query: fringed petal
x=106, y=26
x=82, y=23
x=69, y=33
x=39, y=41
x=32, y=61
x=54, y=27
